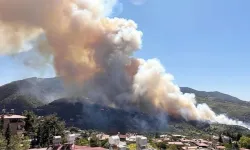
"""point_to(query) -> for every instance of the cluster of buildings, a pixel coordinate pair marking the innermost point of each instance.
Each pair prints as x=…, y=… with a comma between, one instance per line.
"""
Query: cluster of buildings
x=184, y=143
x=116, y=142
x=120, y=141
x=69, y=145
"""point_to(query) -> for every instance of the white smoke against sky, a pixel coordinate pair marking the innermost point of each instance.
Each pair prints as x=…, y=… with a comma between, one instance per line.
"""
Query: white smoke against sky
x=94, y=52
x=155, y=85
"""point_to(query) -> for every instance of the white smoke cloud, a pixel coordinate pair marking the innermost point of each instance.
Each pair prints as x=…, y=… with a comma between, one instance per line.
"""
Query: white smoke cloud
x=157, y=88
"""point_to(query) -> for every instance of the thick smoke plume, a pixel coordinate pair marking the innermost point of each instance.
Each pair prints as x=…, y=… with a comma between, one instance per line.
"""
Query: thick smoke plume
x=93, y=53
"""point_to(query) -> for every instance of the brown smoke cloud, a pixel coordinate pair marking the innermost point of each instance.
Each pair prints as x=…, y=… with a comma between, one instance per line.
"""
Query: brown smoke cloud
x=80, y=37
x=132, y=68
x=94, y=52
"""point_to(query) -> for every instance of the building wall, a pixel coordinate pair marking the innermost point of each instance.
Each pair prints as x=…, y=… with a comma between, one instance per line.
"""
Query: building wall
x=15, y=127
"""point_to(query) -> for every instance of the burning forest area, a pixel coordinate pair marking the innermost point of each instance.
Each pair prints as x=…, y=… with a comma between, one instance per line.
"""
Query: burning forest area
x=93, y=54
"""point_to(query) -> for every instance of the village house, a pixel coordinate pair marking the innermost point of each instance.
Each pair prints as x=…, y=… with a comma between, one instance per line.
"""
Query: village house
x=166, y=139
x=15, y=122
x=131, y=139
x=164, y=136
x=157, y=140
x=102, y=136
x=202, y=145
x=116, y=143
x=122, y=137
x=186, y=141
x=220, y=148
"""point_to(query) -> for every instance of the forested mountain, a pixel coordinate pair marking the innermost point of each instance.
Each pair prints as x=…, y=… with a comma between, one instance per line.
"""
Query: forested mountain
x=47, y=96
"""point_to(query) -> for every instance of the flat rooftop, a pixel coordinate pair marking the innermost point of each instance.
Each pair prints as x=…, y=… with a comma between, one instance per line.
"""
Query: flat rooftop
x=88, y=148
x=175, y=143
x=13, y=117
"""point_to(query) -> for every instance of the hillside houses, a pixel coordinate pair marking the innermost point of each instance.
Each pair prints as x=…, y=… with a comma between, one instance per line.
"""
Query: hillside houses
x=185, y=143
x=122, y=142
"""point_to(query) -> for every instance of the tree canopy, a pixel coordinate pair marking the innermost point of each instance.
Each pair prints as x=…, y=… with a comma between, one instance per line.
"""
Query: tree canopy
x=1, y=123
x=172, y=147
x=82, y=142
x=17, y=143
x=30, y=122
x=49, y=127
x=245, y=142
x=3, y=142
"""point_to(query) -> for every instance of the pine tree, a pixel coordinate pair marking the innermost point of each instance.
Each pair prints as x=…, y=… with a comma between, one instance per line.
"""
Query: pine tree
x=8, y=135
x=157, y=135
x=236, y=146
x=230, y=141
x=51, y=126
x=38, y=136
x=239, y=135
x=30, y=122
x=220, y=139
x=2, y=123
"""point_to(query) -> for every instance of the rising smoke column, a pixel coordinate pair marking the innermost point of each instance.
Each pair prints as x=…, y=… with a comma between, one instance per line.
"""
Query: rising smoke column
x=155, y=87
x=81, y=37
x=93, y=53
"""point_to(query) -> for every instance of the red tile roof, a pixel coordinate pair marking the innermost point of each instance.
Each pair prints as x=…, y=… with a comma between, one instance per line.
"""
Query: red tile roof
x=220, y=147
x=88, y=148
x=202, y=144
x=122, y=136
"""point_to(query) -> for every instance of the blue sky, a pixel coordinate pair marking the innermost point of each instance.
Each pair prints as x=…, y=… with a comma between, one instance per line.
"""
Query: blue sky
x=205, y=44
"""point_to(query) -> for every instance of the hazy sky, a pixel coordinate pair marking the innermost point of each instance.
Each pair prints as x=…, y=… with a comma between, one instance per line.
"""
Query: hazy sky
x=205, y=44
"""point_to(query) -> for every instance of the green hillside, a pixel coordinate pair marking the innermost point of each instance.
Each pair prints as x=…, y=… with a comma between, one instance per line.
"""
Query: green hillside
x=43, y=96
x=29, y=93
x=237, y=110
x=93, y=116
x=211, y=95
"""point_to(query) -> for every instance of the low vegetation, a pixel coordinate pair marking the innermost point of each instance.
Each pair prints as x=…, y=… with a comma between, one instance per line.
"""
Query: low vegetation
x=13, y=142
x=132, y=146
x=82, y=142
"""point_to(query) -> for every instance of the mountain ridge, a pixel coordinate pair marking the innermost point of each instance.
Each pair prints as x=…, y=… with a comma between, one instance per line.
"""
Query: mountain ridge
x=40, y=93
x=46, y=90
x=210, y=94
x=30, y=93
x=58, y=84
